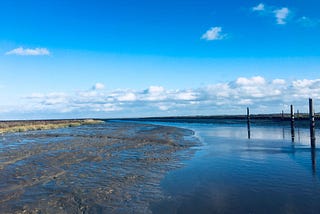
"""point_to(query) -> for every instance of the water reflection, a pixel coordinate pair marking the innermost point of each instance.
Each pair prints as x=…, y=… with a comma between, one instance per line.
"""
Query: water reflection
x=248, y=122
x=313, y=160
x=230, y=169
x=266, y=140
x=299, y=137
x=313, y=142
x=292, y=133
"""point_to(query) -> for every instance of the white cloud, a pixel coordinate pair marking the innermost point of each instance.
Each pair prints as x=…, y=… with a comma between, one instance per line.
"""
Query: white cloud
x=98, y=86
x=245, y=102
x=259, y=7
x=155, y=89
x=154, y=93
x=55, y=98
x=253, y=87
x=130, y=96
x=278, y=82
x=221, y=98
x=302, y=89
x=163, y=107
x=214, y=33
x=109, y=107
x=28, y=52
x=281, y=15
x=257, y=80
x=185, y=95
x=91, y=93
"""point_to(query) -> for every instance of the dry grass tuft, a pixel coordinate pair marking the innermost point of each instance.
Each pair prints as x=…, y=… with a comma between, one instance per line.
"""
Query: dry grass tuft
x=23, y=126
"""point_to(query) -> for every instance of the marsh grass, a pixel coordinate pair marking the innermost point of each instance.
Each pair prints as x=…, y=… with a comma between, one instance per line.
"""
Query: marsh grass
x=23, y=126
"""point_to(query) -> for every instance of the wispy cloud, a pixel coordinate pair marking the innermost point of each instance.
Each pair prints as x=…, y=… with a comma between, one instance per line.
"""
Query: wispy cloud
x=308, y=22
x=260, y=94
x=214, y=33
x=259, y=7
x=284, y=14
x=29, y=52
x=281, y=15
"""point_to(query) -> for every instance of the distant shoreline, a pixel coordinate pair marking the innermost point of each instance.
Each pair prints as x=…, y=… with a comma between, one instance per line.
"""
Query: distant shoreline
x=7, y=126
x=301, y=120
x=32, y=125
x=257, y=117
x=286, y=116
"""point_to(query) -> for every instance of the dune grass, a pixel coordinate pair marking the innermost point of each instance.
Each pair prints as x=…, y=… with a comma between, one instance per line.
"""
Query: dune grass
x=23, y=126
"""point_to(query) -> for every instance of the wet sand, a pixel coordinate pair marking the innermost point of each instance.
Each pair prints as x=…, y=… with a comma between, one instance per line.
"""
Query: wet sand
x=103, y=168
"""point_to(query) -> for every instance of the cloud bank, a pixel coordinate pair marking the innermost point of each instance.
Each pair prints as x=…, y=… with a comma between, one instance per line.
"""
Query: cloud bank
x=260, y=94
x=29, y=52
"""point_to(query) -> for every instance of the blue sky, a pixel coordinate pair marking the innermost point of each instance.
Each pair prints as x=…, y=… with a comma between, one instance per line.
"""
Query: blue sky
x=66, y=59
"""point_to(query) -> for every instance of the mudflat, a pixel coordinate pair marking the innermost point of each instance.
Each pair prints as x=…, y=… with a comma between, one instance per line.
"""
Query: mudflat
x=111, y=167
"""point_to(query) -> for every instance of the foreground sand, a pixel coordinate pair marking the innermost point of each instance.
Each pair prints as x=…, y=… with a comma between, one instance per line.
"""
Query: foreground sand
x=103, y=168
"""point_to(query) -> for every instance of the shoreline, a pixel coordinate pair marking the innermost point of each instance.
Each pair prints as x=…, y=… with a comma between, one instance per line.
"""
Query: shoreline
x=271, y=117
x=33, y=125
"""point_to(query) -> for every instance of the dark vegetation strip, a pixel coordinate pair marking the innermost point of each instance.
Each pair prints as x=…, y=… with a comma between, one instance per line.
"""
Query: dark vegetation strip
x=301, y=120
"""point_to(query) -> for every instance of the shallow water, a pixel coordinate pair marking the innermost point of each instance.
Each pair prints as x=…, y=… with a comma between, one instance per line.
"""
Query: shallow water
x=233, y=174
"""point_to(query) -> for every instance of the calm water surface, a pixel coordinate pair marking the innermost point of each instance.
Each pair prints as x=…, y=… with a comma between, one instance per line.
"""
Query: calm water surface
x=233, y=174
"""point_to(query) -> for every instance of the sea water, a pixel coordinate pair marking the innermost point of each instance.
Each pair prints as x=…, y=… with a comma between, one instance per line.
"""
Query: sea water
x=272, y=172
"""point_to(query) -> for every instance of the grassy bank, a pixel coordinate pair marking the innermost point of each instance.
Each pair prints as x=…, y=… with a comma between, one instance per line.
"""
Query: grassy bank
x=28, y=125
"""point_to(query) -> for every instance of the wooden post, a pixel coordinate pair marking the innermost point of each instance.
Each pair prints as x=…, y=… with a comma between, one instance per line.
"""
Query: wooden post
x=282, y=116
x=292, y=122
x=312, y=124
x=292, y=114
x=248, y=122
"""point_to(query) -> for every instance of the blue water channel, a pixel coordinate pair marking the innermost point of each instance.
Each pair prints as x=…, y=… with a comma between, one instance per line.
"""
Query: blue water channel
x=230, y=173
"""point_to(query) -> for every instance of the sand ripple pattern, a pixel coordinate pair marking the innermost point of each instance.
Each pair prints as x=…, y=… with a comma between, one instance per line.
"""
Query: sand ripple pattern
x=103, y=168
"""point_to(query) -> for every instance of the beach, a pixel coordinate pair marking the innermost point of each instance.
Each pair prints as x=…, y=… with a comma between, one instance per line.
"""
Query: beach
x=111, y=167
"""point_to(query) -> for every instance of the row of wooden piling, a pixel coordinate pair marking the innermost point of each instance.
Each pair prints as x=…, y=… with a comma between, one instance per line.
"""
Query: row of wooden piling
x=311, y=118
